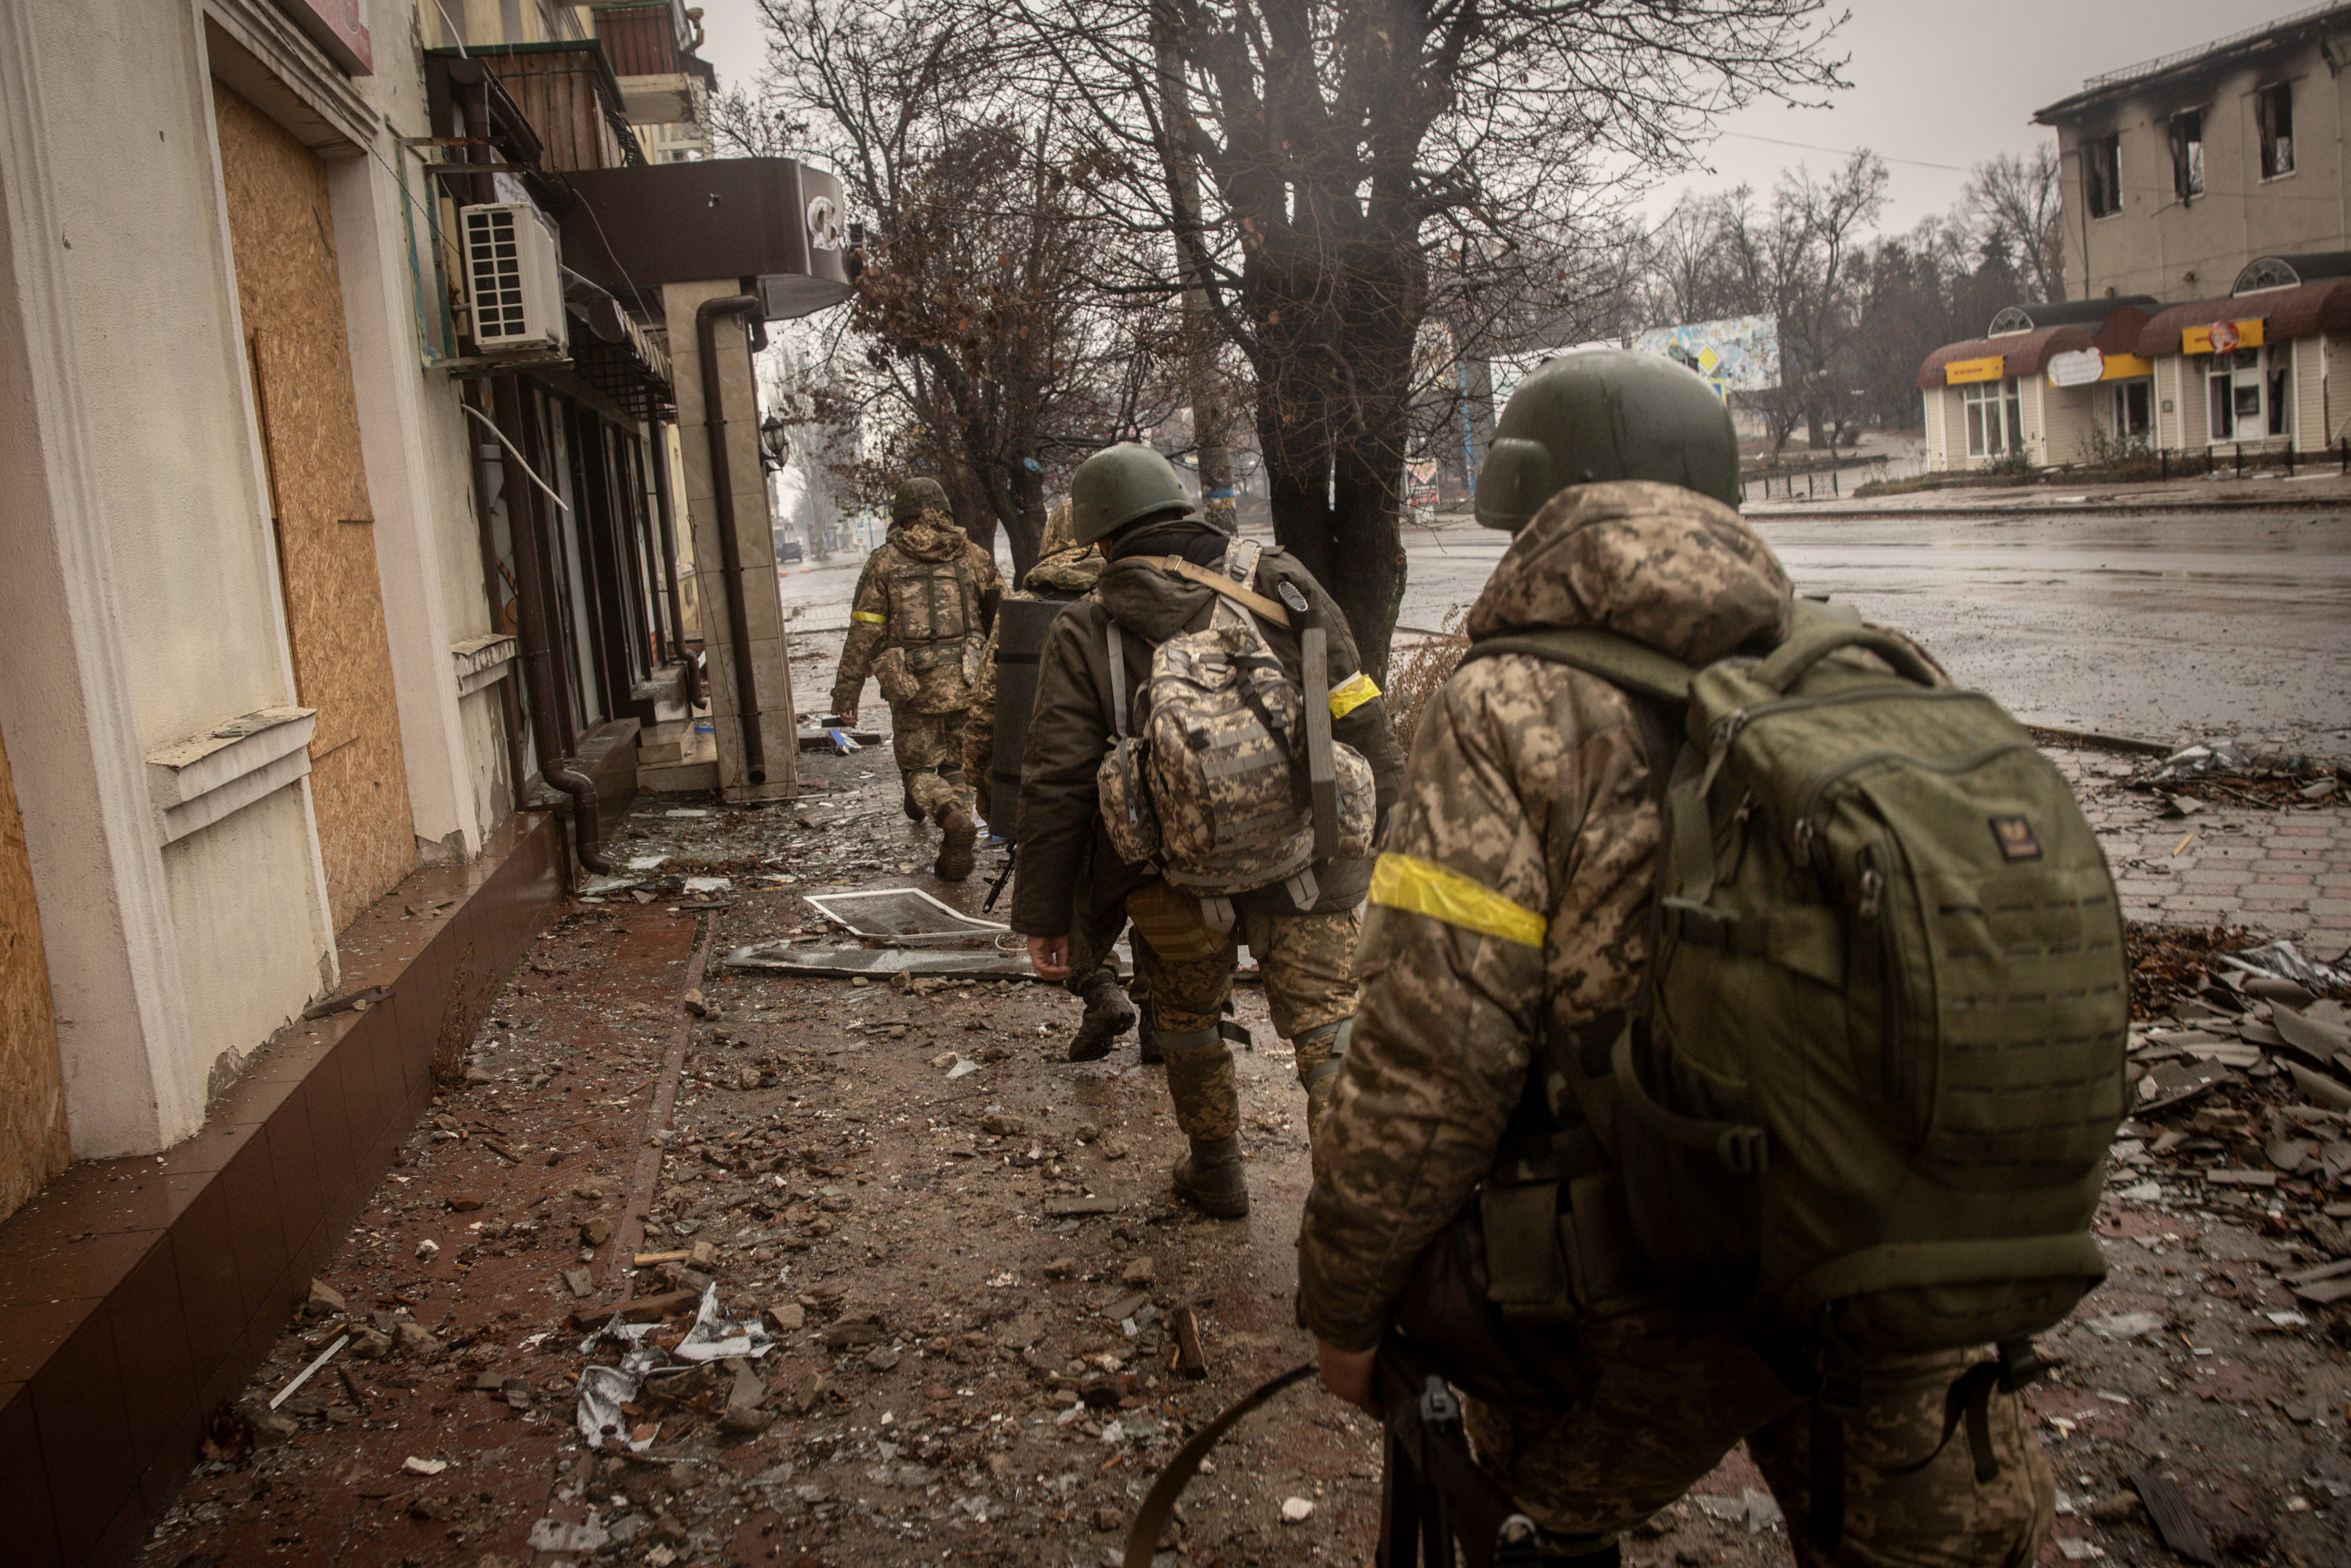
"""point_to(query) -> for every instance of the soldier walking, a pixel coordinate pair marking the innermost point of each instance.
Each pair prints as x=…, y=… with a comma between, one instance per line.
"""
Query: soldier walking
x=918, y=625
x=1065, y=571
x=1512, y=924
x=1166, y=573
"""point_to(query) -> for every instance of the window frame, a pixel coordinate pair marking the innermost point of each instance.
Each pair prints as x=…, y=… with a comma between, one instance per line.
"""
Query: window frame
x=2267, y=102
x=2188, y=180
x=2268, y=411
x=2101, y=174
x=2002, y=431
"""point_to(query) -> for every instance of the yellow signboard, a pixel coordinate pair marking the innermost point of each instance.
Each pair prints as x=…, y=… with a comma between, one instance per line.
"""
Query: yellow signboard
x=2126, y=367
x=2220, y=336
x=1959, y=372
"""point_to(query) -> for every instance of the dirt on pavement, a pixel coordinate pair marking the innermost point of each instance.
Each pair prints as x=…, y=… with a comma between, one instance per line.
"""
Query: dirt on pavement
x=964, y=1250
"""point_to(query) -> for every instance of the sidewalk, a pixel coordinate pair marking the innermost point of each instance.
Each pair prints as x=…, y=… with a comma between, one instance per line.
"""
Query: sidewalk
x=2321, y=488
x=2286, y=874
x=963, y=1248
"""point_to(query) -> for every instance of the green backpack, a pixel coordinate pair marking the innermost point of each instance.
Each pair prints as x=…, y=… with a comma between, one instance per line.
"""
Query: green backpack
x=1869, y=1085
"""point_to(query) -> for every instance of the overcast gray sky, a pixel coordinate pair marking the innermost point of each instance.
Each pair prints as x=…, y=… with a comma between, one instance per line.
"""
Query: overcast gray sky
x=1937, y=84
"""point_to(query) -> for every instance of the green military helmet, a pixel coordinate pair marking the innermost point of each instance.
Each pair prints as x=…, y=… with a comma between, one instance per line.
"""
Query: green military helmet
x=1119, y=485
x=915, y=497
x=1596, y=414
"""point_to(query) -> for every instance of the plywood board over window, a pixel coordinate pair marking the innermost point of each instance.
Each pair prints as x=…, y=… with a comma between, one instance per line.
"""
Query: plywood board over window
x=291, y=290
x=32, y=1143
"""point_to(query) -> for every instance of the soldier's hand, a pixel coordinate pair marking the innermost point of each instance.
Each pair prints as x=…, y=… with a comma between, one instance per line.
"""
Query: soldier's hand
x=1348, y=1374
x=1050, y=956
x=848, y=716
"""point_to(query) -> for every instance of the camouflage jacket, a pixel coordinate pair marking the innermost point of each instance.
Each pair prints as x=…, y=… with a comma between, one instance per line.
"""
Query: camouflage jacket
x=1517, y=883
x=918, y=604
x=1065, y=571
x=1067, y=873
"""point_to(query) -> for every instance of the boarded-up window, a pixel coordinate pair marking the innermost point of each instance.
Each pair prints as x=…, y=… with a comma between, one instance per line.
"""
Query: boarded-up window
x=33, y=1145
x=291, y=290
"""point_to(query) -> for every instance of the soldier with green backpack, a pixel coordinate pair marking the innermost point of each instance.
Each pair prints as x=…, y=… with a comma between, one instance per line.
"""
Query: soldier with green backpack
x=1742, y=1027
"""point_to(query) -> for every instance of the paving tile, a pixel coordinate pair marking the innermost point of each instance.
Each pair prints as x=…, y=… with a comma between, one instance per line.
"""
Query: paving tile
x=253, y=1229
x=150, y=1345
x=31, y=1332
x=30, y=1520
x=65, y=1269
x=203, y=1255
x=85, y=1432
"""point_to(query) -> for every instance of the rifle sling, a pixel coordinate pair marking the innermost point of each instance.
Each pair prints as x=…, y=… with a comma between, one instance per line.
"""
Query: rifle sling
x=1159, y=1503
x=1217, y=582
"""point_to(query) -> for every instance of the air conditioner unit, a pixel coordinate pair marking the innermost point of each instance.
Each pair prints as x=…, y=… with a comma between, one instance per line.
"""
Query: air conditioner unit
x=514, y=281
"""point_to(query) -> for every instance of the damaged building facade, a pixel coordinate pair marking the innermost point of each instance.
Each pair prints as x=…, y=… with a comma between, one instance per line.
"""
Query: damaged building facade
x=2207, y=284
x=384, y=447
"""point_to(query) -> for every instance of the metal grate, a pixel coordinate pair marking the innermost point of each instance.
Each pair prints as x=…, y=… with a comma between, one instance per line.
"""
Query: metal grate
x=493, y=271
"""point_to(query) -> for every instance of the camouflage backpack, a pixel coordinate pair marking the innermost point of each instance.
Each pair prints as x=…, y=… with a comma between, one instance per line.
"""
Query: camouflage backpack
x=1867, y=1091
x=934, y=627
x=1231, y=781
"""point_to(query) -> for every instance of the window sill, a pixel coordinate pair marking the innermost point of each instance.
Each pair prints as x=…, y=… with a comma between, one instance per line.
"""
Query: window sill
x=195, y=782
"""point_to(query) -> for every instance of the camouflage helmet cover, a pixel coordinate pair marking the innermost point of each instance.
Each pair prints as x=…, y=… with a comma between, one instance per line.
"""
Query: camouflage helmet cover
x=1120, y=485
x=915, y=497
x=1597, y=415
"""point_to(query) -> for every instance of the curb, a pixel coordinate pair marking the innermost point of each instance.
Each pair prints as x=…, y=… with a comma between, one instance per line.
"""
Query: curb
x=2051, y=509
x=2050, y=735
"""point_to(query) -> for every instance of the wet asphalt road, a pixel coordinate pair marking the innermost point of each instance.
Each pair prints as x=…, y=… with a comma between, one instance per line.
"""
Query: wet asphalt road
x=2162, y=626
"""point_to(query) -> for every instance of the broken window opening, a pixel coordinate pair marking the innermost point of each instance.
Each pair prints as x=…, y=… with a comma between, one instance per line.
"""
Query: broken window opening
x=2101, y=175
x=2187, y=153
x=2274, y=110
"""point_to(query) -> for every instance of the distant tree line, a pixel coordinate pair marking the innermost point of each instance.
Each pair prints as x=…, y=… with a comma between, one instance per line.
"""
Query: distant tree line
x=1858, y=310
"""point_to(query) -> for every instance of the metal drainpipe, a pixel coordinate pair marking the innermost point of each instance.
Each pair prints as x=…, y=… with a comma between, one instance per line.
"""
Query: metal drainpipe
x=538, y=653
x=658, y=458
x=731, y=555
x=509, y=704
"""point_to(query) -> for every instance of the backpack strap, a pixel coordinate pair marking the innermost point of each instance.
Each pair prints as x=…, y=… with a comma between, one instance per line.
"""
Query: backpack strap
x=1621, y=662
x=1117, y=682
x=1217, y=582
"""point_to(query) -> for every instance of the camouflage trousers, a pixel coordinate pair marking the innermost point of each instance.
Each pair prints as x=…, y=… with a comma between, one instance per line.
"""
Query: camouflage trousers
x=929, y=750
x=1308, y=962
x=1666, y=1393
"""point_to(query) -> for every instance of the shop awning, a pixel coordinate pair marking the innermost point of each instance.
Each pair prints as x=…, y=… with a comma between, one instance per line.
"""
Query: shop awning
x=2020, y=353
x=2267, y=316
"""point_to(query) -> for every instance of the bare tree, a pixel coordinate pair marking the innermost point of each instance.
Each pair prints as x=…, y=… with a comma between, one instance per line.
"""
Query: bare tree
x=2014, y=203
x=992, y=360
x=1366, y=166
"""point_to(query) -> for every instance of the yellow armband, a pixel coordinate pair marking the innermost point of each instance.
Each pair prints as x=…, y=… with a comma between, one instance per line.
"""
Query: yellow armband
x=1422, y=887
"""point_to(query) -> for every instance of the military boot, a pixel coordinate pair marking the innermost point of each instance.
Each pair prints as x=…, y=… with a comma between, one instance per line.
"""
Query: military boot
x=914, y=813
x=1211, y=1176
x=1109, y=1014
x=957, y=834
x=1208, y=1108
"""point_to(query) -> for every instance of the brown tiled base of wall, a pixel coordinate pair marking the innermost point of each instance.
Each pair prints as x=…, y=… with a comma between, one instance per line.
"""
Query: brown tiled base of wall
x=137, y=1295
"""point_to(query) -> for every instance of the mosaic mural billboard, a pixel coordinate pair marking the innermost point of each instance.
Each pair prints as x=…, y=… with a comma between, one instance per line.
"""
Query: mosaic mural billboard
x=1737, y=353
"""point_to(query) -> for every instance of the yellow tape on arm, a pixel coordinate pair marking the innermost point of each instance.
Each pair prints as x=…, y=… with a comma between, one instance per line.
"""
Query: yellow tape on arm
x=869, y=618
x=1351, y=694
x=1422, y=887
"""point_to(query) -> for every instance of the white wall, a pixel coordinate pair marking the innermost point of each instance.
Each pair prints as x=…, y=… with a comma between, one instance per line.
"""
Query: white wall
x=2066, y=423
x=131, y=133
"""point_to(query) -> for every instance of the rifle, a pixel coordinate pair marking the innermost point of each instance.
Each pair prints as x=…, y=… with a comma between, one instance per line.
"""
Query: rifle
x=1432, y=1493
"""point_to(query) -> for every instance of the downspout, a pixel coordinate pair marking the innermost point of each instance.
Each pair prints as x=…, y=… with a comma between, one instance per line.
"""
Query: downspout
x=538, y=651
x=509, y=704
x=659, y=459
x=730, y=554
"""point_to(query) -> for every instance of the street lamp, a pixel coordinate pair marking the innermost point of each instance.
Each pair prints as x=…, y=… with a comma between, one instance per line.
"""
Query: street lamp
x=774, y=445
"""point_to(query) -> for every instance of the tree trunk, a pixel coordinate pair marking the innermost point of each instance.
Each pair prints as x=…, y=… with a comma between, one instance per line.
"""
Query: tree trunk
x=1337, y=319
